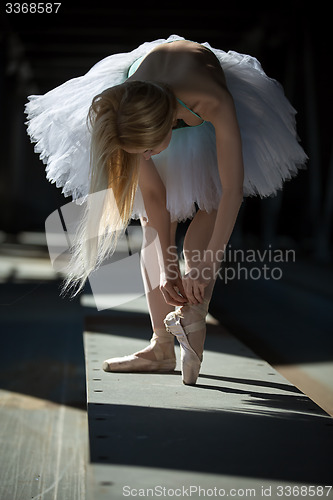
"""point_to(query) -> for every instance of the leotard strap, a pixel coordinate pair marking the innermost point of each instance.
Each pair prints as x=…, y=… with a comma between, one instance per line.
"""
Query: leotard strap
x=184, y=105
x=135, y=66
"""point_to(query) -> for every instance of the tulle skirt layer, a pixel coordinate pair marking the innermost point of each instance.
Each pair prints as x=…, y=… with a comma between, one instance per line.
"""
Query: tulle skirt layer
x=188, y=167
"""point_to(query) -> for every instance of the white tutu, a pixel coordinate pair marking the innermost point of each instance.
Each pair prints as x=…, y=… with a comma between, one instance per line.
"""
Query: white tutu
x=188, y=167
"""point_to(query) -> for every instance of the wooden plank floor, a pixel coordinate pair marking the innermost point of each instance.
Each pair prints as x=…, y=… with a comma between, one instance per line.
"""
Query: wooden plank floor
x=43, y=449
x=43, y=418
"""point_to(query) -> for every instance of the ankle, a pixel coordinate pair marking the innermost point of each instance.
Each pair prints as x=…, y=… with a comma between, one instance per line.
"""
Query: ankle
x=162, y=336
x=162, y=346
x=163, y=342
x=192, y=313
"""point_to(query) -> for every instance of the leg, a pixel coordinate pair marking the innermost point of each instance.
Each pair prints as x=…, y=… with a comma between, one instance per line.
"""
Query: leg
x=150, y=270
x=159, y=355
x=163, y=342
x=195, y=243
x=188, y=322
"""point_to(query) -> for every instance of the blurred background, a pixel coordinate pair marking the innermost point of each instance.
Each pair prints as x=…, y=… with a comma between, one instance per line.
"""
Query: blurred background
x=288, y=321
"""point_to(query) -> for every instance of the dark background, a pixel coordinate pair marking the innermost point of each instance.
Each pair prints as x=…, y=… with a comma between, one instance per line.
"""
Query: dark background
x=293, y=43
x=41, y=51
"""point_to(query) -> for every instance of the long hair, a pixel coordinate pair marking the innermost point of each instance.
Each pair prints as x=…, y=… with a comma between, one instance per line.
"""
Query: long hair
x=134, y=115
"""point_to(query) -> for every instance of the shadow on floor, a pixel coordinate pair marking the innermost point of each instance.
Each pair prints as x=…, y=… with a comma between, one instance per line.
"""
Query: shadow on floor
x=277, y=446
x=41, y=351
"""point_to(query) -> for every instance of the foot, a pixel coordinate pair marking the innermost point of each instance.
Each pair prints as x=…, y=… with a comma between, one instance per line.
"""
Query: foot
x=158, y=356
x=190, y=315
x=187, y=323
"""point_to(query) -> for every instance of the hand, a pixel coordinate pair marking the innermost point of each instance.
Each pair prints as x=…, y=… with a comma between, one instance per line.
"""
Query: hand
x=195, y=282
x=172, y=289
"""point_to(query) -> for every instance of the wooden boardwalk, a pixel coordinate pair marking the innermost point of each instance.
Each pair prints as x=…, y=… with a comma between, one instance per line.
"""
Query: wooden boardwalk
x=43, y=418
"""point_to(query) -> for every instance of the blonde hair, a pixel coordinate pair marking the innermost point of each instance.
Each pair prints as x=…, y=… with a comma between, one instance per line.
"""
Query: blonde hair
x=134, y=115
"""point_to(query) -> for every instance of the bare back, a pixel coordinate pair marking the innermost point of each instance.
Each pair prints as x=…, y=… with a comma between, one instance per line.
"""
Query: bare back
x=191, y=70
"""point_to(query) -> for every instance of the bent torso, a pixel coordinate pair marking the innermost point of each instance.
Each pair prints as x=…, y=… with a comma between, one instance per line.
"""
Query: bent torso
x=190, y=69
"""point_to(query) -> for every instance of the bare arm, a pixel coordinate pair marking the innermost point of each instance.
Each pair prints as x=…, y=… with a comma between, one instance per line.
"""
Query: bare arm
x=158, y=230
x=231, y=171
x=221, y=113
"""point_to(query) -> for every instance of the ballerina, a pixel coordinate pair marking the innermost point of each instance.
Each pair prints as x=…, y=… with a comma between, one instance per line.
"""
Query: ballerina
x=177, y=130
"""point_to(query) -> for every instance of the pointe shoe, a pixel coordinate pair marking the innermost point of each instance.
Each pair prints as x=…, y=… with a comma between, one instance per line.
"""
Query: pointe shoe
x=190, y=361
x=135, y=363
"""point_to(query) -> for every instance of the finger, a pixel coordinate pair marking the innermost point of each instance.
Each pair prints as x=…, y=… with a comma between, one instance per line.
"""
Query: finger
x=198, y=292
x=173, y=302
x=175, y=293
x=188, y=285
x=169, y=300
x=171, y=296
x=181, y=289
